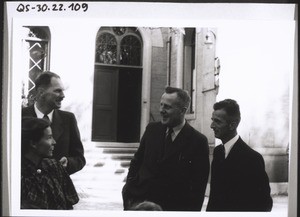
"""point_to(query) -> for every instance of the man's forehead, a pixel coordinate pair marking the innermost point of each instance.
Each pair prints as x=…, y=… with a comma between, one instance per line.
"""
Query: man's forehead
x=219, y=113
x=172, y=96
x=56, y=82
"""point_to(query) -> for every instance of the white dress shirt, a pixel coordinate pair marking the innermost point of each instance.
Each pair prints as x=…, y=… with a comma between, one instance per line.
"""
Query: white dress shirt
x=39, y=114
x=228, y=145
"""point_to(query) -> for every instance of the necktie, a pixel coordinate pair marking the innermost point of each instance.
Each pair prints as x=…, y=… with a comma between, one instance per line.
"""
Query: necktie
x=46, y=118
x=168, y=139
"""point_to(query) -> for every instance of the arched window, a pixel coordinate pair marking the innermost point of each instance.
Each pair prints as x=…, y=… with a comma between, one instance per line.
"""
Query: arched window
x=130, y=51
x=106, y=51
x=36, y=58
x=118, y=46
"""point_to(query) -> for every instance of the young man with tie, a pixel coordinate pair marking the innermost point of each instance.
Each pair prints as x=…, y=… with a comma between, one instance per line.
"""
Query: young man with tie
x=239, y=181
x=171, y=165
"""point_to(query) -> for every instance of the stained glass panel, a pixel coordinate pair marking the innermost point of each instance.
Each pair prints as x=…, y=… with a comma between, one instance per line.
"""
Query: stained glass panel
x=130, y=51
x=106, y=50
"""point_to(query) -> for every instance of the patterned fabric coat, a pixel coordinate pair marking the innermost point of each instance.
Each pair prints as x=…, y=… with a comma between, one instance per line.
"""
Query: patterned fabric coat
x=46, y=186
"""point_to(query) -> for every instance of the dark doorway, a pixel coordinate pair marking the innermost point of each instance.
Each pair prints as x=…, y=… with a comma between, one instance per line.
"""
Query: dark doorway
x=129, y=105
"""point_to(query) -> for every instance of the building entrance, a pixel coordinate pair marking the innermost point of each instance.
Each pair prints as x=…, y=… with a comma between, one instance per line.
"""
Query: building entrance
x=117, y=104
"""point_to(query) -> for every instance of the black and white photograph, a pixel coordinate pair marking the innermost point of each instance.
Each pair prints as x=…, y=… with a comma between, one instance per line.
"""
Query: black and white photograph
x=185, y=109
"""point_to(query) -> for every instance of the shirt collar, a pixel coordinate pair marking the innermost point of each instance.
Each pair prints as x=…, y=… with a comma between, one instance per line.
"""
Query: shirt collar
x=177, y=129
x=39, y=114
x=228, y=145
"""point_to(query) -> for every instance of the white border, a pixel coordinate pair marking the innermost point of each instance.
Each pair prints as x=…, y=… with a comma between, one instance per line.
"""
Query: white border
x=190, y=15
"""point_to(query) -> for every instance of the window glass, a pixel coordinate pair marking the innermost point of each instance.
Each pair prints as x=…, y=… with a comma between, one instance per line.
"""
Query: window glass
x=130, y=51
x=106, y=51
x=118, y=46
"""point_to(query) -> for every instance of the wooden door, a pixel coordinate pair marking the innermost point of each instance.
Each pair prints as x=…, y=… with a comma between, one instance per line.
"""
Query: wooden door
x=105, y=104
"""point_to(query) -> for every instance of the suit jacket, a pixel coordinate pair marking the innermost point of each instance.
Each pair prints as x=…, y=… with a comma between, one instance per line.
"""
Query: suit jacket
x=67, y=137
x=175, y=180
x=240, y=182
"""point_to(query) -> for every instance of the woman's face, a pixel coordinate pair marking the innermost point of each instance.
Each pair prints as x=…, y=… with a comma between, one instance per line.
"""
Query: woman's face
x=46, y=144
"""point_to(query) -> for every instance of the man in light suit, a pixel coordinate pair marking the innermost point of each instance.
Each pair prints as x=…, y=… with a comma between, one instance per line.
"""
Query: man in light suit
x=238, y=178
x=171, y=165
x=49, y=95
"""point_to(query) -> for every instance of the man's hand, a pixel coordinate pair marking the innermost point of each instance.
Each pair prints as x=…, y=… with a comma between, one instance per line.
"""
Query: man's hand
x=64, y=161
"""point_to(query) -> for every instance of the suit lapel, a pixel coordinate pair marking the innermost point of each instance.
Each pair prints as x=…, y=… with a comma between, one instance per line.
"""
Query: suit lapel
x=234, y=152
x=160, y=140
x=57, y=125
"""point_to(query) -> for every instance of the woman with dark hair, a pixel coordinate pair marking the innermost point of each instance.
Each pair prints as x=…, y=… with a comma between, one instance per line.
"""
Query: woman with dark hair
x=45, y=184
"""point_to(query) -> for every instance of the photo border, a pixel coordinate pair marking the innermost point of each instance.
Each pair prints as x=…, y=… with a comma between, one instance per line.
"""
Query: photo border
x=9, y=118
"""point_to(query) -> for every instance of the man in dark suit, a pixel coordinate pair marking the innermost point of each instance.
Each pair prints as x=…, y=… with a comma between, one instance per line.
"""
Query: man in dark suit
x=171, y=165
x=49, y=95
x=238, y=178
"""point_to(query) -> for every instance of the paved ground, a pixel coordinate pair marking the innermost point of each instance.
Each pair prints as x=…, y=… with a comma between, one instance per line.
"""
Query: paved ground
x=99, y=184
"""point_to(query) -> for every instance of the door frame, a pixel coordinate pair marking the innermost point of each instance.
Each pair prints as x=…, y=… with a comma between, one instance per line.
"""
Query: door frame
x=145, y=90
x=146, y=79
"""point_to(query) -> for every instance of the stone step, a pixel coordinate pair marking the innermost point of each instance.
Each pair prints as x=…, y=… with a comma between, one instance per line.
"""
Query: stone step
x=115, y=145
x=119, y=150
x=122, y=157
x=125, y=164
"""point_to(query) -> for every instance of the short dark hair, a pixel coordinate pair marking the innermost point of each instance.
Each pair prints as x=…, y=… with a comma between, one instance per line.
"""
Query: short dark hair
x=183, y=95
x=231, y=107
x=44, y=79
x=32, y=130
